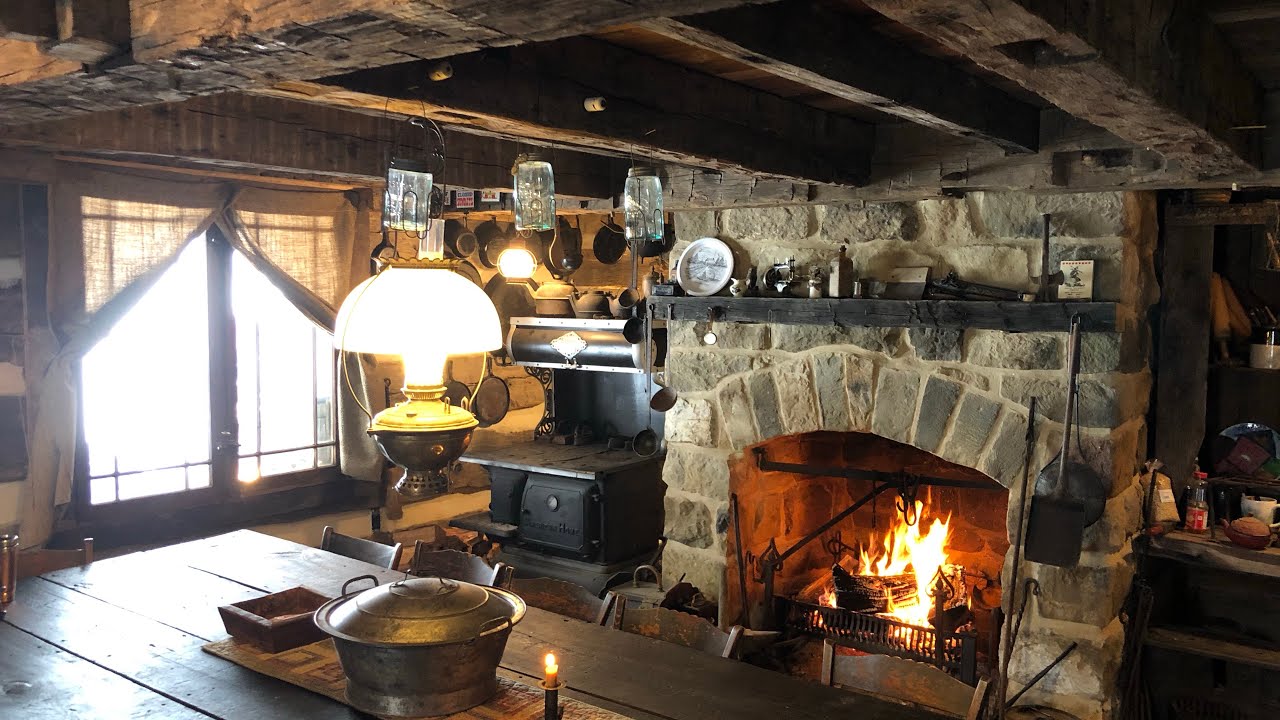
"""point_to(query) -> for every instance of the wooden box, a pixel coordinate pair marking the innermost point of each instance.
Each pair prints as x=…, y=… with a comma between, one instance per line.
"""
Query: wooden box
x=276, y=622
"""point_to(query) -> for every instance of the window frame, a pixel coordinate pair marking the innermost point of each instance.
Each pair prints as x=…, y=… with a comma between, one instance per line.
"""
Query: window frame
x=224, y=487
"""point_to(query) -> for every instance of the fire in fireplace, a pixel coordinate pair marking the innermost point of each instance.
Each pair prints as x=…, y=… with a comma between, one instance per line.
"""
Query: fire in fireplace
x=875, y=545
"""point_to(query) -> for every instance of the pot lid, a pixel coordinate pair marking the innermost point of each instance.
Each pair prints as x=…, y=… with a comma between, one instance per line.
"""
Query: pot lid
x=420, y=611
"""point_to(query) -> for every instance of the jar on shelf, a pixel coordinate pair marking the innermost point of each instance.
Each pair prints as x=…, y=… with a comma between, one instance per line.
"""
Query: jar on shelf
x=1197, y=513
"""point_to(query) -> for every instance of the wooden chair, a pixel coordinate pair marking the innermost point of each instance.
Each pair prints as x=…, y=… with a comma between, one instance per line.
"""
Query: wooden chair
x=564, y=598
x=458, y=566
x=676, y=627
x=905, y=681
x=41, y=561
x=374, y=553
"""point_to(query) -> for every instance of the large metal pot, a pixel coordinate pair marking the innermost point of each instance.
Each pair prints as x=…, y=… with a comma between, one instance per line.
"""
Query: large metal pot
x=422, y=646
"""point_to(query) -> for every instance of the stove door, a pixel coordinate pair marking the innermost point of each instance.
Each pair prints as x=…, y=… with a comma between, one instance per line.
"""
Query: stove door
x=562, y=514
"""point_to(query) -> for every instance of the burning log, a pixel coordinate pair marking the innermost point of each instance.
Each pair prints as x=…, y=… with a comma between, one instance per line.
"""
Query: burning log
x=872, y=593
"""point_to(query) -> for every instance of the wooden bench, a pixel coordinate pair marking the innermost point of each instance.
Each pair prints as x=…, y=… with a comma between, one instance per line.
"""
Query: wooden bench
x=676, y=627
x=458, y=566
x=374, y=553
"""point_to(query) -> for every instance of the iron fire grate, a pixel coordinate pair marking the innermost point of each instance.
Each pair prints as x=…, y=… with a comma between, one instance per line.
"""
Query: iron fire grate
x=955, y=653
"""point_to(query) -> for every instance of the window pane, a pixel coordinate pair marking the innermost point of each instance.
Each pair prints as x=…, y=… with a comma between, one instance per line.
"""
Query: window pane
x=153, y=482
x=326, y=456
x=288, y=462
x=325, y=412
x=158, y=351
x=197, y=477
x=278, y=340
x=102, y=490
x=247, y=469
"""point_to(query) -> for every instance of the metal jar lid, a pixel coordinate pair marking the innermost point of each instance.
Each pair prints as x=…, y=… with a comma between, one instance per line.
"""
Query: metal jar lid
x=420, y=611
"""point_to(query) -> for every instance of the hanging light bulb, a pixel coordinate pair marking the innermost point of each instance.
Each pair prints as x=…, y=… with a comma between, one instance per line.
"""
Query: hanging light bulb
x=516, y=262
x=534, y=193
x=642, y=205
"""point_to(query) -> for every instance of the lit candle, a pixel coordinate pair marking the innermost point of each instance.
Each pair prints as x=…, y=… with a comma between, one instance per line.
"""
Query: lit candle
x=553, y=671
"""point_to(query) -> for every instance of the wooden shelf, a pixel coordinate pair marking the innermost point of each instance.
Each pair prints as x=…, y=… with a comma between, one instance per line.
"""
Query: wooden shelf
x=1011, y=316
x=1195, y=643
x=1215, y=553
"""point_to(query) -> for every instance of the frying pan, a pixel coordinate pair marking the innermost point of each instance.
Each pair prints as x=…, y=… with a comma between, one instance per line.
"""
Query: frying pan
x=561, y=250
x=493, y=399
x=462, y=243
x=455, y=391
x=491, y=241
x=609, y=243
x=511, y=299
x=469, y=271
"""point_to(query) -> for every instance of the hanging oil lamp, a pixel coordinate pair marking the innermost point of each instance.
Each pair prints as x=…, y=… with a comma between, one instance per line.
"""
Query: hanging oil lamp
x=534, y=193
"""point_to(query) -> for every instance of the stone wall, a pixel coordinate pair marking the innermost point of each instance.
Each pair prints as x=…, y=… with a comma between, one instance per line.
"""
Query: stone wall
x=960, y=394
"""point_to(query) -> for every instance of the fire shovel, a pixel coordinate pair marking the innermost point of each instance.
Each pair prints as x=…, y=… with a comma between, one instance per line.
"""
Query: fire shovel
x=1055, y=527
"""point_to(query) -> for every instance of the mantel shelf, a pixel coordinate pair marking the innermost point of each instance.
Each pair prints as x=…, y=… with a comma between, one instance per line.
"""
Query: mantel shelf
x=1009, y=316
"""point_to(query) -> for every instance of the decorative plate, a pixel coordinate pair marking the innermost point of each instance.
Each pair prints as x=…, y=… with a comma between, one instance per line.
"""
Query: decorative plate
x=705, y=267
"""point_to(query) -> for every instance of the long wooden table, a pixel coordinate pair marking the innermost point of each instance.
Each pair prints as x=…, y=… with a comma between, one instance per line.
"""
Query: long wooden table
x=121, y=638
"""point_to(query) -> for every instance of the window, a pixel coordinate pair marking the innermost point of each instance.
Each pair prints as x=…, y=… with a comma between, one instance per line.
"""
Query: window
x=171, y=409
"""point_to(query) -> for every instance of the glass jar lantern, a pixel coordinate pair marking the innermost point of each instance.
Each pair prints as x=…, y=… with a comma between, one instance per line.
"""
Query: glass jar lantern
x=408, y=199
x=534, y=193
x=642, y=205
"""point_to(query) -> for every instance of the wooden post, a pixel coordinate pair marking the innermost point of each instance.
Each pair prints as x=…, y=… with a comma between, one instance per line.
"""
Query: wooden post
x=1182, y=355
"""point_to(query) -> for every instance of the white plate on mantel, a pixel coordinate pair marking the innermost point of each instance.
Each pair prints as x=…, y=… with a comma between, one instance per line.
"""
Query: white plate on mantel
x=705, y=267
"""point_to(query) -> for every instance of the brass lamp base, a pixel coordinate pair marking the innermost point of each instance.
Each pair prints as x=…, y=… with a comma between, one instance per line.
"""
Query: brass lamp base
x=424, y=435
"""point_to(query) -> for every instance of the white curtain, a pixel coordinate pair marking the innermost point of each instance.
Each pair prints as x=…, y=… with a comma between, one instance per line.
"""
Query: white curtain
x=113, y=233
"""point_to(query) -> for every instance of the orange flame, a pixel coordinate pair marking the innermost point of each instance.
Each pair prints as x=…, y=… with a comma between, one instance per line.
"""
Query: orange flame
x=910, y=547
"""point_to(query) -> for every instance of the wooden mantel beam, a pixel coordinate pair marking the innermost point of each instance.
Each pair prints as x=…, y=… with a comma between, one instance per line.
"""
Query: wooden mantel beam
x=818, y=46
x=239, y=131
x=1162, y=78
x=656, y=111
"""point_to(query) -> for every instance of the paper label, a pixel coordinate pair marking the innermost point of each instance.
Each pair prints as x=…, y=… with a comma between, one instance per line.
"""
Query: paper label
x=490, y=196
x=1077, y=280
x=1197, y=519
x=464, y=198
x=1166, y=496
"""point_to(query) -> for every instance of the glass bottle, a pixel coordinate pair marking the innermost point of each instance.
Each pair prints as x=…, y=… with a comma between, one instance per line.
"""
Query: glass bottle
x=642, y=205
x=534, y=193
x=408, y=198
x=1198, y=504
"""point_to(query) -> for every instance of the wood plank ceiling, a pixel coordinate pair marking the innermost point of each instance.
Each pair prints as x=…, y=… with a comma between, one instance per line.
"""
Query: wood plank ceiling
x=742, y=101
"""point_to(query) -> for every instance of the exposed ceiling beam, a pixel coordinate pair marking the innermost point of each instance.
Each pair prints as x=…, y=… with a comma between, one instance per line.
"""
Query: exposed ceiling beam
x=1161, y=78
x=1238, y=11
x=182, y=48
x=655, y=111
x=246, y=131
x=818, y=46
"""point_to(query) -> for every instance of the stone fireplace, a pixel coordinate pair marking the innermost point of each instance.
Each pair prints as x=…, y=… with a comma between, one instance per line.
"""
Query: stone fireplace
x=930, y=401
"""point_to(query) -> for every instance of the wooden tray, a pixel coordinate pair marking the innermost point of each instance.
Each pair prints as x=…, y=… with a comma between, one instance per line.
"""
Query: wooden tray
x=276, y=622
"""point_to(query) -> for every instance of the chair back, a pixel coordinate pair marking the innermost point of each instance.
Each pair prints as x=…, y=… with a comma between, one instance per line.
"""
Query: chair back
x=564, y=598
x=676, y=627
x=41, y=561
x=374, y=553
x=904, y=681
x=458, y=566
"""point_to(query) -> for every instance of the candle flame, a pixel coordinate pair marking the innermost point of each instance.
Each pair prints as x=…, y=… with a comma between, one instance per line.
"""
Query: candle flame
x=550, y=660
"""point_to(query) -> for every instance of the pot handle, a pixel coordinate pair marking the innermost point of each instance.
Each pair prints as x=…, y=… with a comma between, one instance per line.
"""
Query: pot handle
x=491, y=624
x=358, y=578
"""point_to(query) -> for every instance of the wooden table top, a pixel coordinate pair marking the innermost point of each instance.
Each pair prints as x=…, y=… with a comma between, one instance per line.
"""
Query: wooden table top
x=121, y=638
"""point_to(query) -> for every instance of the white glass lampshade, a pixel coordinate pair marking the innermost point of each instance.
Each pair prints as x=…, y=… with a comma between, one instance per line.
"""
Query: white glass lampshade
x=422, y=313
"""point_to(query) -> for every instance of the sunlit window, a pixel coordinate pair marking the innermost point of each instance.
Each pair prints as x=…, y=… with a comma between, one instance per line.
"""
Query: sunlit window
x=150, y=427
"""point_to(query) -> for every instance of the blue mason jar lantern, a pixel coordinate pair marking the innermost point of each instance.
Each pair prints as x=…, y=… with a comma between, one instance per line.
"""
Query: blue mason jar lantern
x=534, y=193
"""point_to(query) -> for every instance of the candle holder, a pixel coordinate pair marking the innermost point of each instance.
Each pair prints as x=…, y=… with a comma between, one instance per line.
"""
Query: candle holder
x=551, y=700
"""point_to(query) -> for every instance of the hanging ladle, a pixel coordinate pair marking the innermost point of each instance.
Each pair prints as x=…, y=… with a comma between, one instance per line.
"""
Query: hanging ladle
x=645, y=443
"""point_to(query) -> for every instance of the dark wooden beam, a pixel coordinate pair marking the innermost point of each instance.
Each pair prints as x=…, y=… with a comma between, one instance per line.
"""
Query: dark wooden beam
x=1224, y=12
x=1161, y=78
x=655, y=110
x=818, y=46
x=1259, y=213
x=182, y=48
x=243, y=131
